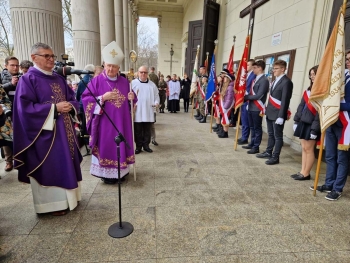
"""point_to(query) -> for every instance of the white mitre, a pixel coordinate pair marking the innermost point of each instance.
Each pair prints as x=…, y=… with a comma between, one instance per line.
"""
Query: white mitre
x=112, y=54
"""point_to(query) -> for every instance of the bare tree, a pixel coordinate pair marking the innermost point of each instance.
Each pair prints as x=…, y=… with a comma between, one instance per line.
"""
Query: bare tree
x=67, y=17
x=147, y=46
x=6, y=46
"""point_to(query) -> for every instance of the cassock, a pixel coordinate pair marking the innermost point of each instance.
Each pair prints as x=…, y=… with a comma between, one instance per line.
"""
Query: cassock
x=46, y=152
x=104, y=161
x=148, y=96
x=174, y=92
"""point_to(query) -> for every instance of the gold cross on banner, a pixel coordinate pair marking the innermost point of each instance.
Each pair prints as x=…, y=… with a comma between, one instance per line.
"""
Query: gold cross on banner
x=113, y=53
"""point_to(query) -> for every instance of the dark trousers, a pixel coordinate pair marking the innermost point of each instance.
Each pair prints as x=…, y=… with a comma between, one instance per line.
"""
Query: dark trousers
x=83, y=130
x=275, y=141
x=255, y=123
x=245, y=122
x=162, y=97
x=337, y=160
x=167, y=103
x=142, y=134
x=186, y=104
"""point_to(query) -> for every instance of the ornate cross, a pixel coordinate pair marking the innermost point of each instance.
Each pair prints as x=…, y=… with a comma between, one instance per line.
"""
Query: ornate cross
x=113, y=53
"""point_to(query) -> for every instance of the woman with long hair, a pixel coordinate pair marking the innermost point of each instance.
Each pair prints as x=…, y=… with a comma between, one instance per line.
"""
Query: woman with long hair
x=307, y=128
x=226, y=102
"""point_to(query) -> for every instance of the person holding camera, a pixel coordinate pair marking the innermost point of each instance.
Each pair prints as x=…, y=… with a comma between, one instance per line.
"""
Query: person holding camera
x=6, y=129
x=10, y=76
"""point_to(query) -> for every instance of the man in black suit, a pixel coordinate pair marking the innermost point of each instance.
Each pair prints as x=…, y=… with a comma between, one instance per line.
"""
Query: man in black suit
x=256, y=106
x=277, y=112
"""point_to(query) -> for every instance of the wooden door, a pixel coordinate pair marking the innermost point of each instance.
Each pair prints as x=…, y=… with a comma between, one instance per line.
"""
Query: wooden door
x=211, y=14
x=335, y=10
x=194, y=39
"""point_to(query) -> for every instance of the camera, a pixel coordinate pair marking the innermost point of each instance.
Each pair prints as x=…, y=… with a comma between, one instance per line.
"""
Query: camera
x=63, y=63
x=6, y=110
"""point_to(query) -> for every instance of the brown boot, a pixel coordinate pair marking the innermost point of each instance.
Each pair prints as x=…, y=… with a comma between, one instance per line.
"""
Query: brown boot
x=9, y=166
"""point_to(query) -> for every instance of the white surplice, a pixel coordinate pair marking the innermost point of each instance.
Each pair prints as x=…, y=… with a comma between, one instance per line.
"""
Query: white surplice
x=174, y=90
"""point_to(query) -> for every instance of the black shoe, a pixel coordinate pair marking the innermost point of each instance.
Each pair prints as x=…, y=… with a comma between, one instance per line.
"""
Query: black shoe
x=301, y=177
x=272, y=161
x=148, y=150
x=253, y=151
x=155, y=143
x=265, y=155
x=333, y=195
x=199, y=117
x=295, y=175
x=137, y=151
x=203, y=120
x=241, y=142
x=322, y=188
x=109, y=180
x=223, y=135
x=247, y=147
x=217, y=128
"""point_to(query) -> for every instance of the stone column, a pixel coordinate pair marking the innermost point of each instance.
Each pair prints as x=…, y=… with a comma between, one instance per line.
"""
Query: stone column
x=126, y=33
x=119, y=29
x=107, y=26
x=86, y=33
x=36, y=21
x=136, y=19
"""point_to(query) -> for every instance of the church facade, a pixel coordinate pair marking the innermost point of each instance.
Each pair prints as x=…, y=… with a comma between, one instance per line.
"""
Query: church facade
x=293, y=30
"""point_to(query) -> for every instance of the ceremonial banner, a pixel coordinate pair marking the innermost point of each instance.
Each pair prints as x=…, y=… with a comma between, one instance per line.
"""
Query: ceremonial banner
x=241, y=80
x=194, y=75
x=212, y=79
x=230, y=60
x=328, y=88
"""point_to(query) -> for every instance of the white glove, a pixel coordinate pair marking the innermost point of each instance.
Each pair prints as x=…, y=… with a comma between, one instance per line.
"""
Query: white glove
x=279, y=121
x=313, y=137
x=246, y=93
x=295, y=127
x=247, y=107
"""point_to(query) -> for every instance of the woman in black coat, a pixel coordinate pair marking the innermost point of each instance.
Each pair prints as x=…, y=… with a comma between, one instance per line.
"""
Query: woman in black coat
x=186, y=87
x=307, y=128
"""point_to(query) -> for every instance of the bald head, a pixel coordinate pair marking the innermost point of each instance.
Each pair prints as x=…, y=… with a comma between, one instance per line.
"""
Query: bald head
x=143, y=73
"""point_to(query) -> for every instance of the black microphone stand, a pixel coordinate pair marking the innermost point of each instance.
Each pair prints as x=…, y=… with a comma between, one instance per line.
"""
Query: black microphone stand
x=121, y=229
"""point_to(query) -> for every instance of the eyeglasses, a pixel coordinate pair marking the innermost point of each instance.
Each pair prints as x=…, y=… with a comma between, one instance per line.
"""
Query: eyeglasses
x=47, y=56
x=143, y=72
x=348, y=59
x=14, y=65
x=276, y=68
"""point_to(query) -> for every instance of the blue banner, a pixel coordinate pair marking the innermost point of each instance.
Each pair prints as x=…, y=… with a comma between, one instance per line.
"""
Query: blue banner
x=212, y=79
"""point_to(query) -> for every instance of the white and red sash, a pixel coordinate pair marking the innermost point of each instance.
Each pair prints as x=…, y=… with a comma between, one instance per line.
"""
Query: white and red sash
x=344, y=142
x=225, y=113
x=201, y=90
x=258, y=103
x=311, y=108
x=215, y=98
x=277, y=104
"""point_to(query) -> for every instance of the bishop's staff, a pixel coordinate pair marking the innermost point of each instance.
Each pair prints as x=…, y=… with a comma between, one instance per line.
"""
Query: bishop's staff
x=133, y=59
x=194, y=84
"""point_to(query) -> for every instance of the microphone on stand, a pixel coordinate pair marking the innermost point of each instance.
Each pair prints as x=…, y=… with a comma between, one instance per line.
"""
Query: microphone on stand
x=65, y=71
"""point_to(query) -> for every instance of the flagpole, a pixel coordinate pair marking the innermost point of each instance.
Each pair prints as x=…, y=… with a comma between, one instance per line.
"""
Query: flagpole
x=191, y=82
x=240, y=108
x=212, y=104
x=319, y=162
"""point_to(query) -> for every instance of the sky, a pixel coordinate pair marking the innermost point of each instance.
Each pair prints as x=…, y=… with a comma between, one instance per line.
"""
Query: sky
x=152, y=24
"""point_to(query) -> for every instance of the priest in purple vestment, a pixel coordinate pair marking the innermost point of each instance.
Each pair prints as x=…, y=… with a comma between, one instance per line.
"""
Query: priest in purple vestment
x=46, y=152
x=113, y=92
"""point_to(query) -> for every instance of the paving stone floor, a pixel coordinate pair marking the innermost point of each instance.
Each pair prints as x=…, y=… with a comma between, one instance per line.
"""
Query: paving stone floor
x=195, y=200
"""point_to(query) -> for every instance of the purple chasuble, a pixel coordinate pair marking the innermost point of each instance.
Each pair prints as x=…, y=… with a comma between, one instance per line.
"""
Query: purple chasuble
x=101, y=130
x=52, y=158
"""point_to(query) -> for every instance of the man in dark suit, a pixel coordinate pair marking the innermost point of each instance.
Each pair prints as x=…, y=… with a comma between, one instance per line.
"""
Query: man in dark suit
x=244, y=112
x=256, y=106
x=277, y=112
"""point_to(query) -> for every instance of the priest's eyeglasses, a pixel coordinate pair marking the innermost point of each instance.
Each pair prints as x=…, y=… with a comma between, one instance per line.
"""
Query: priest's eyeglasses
x=143, y=72
x=47, y=56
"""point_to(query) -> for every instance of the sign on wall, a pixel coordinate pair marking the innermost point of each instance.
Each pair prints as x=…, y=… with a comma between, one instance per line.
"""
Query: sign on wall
x=276, y=39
